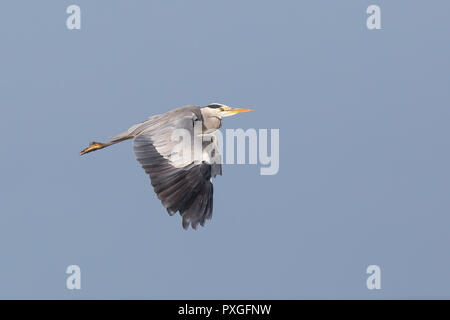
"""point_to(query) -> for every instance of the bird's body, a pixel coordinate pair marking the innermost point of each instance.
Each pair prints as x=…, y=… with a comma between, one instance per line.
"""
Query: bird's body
x=180, y=174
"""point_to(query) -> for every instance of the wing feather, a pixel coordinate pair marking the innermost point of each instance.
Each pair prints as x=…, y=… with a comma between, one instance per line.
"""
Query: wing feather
x=182, y=187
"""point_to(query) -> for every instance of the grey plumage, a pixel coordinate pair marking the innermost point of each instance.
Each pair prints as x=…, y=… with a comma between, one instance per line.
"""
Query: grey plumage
x=183, y=186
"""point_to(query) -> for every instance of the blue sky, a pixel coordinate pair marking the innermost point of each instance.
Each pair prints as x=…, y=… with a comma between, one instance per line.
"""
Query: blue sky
x=363, y=118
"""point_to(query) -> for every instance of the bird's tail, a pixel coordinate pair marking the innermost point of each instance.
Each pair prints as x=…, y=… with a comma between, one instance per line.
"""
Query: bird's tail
x=93, y=146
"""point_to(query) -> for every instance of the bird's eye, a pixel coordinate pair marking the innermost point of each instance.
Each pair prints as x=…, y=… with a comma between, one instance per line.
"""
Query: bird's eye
x=222, y=109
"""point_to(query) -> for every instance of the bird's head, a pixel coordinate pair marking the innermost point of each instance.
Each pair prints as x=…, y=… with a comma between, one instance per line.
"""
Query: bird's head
x=212, y=115
x=220, y=110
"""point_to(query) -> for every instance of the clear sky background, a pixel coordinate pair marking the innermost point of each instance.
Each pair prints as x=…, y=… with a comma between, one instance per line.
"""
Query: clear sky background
x=364, y=148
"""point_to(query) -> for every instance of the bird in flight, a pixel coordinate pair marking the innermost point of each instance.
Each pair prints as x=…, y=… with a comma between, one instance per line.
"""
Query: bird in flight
x=180, y=174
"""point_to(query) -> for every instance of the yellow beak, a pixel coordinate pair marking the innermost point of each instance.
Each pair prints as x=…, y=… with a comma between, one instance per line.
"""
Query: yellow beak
x=233, y=111
x=238, y=110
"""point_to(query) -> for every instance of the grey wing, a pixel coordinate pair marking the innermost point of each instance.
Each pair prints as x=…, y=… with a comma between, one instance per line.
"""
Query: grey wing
x=181, y=186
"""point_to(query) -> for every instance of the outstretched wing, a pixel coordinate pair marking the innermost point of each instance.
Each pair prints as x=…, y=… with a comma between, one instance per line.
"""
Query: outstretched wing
x=183, y=186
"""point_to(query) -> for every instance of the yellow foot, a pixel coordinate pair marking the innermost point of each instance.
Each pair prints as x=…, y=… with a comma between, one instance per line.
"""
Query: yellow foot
x=92, y=147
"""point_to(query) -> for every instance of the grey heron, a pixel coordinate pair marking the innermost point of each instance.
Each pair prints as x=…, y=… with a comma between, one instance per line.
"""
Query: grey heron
x=183, y=182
